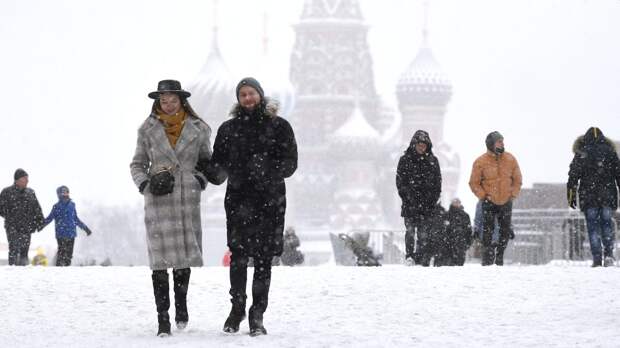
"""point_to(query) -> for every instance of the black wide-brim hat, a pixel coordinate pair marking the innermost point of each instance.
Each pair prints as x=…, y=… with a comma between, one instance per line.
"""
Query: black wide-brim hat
x=169, y=86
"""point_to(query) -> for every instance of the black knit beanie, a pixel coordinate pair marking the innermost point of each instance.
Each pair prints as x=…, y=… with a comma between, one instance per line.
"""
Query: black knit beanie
x=492, y=138
x=19, y=173
x=252, y=82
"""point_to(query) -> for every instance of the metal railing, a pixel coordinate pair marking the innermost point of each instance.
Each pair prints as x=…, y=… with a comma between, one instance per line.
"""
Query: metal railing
x=541, y=235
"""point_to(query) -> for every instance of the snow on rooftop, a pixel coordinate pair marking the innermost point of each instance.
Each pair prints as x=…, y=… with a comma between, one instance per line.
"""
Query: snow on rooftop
x=357, y=126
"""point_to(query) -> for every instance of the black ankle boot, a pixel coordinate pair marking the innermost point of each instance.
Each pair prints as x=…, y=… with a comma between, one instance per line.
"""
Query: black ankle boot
x=236, y=316
x=256, y=323
x=161, y=289
x=181, y=284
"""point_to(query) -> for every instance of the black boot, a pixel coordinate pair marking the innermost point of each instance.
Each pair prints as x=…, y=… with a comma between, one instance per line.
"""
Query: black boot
x=236, y=316
x=499, y=256
x=238, y=278
x=260, y=296
x=161, y=289
x=181, y=283
x=488, y=255
x=256, y=323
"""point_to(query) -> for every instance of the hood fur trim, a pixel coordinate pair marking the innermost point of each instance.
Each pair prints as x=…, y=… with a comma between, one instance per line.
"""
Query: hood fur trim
x=271, y=108
x=580, y=143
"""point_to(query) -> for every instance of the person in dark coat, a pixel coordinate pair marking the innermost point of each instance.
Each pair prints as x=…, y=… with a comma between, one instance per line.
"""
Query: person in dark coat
x=66, y=219
x=594, y=178
x=438, y=250
x=418, y=180
x=171, y=141
x=459, y=233
x=290, y=255
x=256, y=150
x=22, y=215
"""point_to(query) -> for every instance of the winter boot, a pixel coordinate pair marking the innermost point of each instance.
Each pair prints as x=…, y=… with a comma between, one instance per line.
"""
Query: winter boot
x=499, y=256
x=238, y=281
x=256, y=323
x=236, y=316
x=409, y=261
x=161, y=289
x=609, y=261
x=260, y=296
x=597, y=261
x=181, y=283
x=488, y=254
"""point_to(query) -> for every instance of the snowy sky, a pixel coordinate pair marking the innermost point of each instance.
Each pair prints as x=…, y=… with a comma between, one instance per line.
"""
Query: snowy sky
x=75, y=75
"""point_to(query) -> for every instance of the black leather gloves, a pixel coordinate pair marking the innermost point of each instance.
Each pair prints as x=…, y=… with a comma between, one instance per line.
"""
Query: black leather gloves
x=162, y=183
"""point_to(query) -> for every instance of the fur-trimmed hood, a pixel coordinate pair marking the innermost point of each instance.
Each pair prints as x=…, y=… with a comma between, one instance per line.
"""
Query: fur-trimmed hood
x=593, y=136
x=269, y=105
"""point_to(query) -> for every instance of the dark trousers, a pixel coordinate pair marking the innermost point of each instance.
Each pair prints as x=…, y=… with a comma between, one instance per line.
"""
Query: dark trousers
x=19, y=243
x=65, y=251
x=418, y=240
x=260, y=283
x=503, y=213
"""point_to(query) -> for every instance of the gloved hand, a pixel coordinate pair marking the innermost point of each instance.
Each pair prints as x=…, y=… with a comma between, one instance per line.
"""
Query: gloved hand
x=88, y=232
x=162, y=183
x=571, y=196
x=211, y=170
x=511, y=234
x=143, y=186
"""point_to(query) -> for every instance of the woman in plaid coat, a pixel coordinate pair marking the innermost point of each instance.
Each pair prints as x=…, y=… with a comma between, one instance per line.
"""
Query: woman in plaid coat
x=170, y=143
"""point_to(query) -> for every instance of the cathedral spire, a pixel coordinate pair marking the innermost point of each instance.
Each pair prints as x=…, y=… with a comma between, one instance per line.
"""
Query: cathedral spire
x=215, y=26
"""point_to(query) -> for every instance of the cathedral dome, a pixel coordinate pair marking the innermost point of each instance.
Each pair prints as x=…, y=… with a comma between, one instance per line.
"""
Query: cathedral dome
x=424, y=82
x=213, y=90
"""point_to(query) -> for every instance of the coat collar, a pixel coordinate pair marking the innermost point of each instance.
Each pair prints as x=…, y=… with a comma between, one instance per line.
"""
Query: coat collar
x=188, y=135
x=157, y=133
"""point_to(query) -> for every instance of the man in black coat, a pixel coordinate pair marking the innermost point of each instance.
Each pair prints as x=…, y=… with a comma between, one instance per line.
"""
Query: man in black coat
x=459, y=233
x=22, y=216
x=594, y=177
x=256, y=151
x=418, y=179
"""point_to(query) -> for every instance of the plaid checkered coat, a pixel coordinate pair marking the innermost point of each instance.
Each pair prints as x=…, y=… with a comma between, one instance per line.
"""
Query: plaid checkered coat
x=173, y=228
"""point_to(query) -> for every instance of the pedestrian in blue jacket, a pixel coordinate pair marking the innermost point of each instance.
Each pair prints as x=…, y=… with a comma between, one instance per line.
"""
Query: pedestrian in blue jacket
x=66, y=219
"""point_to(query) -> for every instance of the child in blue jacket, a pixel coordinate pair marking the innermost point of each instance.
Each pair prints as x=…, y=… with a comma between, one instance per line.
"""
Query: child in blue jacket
x=66, y=219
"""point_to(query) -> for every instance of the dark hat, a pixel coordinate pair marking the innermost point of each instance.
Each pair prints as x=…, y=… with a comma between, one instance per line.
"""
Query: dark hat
x=492, y=138
x=252, y=82
x=169, y=86
x=19, y=173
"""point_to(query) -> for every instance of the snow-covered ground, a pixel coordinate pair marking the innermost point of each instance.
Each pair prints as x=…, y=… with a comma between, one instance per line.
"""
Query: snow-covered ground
x=327, y=306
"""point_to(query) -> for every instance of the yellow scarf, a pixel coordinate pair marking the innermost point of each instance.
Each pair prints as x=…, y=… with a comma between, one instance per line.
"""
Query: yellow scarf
x=173, y=124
